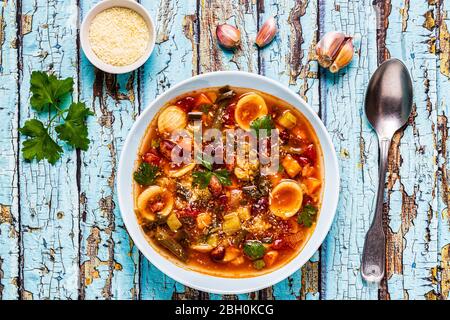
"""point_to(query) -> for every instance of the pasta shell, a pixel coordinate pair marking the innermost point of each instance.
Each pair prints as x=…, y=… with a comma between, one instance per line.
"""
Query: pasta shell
x=171, y=119
x=286, y=199
x=250, y=107
x=148, y=197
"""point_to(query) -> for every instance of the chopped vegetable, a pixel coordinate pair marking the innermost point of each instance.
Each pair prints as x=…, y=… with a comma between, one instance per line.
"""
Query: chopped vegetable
x=146, y=174
x=291, y=166
x=222, y=101
x=254, y=249
x=173, y=222
x=270, y=257
x=312, y=185
x=231, y=223
x=203, y=220
x=231, y=253
x=213, y=240
x=307, y=216
x=259, y=264
x=170, y=244
x=287, y=120
x=244, y=213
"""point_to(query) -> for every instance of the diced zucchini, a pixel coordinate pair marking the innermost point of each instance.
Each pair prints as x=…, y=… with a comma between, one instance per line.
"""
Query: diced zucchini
x=243, y=213
x=213, y=240
x=173, y=222
x=291, y=166
x=231, y=253
x=231, y=223
x=287, y=120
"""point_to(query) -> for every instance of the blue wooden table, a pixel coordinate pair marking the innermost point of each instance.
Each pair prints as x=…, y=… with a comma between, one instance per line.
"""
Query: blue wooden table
x=61, y=232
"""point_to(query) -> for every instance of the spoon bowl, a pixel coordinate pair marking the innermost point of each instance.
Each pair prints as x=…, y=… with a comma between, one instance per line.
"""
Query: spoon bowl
x=389, y=98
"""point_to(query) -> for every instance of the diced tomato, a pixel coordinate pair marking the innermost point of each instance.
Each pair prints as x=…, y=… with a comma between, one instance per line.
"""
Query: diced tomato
x=307, y=200
x=279, y=244
x=228, y=117
x=310, y=153
x=189, y=212
x=151, y=157
x=202, y=99
x=187, y=104
x=302, y=161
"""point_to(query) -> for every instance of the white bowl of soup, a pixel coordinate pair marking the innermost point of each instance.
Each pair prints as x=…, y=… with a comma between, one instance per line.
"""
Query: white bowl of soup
x=228, y=182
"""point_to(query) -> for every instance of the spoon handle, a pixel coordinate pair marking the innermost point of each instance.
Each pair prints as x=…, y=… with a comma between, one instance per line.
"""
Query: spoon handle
x=373, y=259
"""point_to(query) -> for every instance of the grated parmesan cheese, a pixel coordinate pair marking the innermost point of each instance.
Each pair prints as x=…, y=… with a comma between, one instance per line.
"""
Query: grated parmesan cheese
x=119, y=36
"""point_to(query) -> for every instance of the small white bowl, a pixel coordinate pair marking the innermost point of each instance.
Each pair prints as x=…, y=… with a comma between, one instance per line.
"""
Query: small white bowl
x=86, y=45
x=202, y=281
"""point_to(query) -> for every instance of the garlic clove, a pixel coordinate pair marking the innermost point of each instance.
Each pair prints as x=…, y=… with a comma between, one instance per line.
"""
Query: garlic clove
x=266, y=33
x=228, y=36
x=344, y=56
x=328, y=47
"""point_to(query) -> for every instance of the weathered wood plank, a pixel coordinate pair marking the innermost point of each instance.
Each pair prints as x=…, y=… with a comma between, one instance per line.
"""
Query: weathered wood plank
x=412, y=247
x=109, y=261
x=9, y=206
x=356, y=146
x=289, y=59
x=440, y=273
x=174, y=59
x=48, y=198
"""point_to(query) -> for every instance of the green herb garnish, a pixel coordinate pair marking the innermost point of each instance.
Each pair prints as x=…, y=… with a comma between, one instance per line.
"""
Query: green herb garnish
x=47, y=90
x=47, y=94
x=307, y=216
x=146, y=174
x=202, y=178
x=39, y=145
x=262, y=123
x=254, y=249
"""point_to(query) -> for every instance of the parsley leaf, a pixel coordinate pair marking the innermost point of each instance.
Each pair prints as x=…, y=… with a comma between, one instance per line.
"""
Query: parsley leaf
x=202, y=178
x=224, y=177
x=307, y=216
x=205, y=108
x=262, y=123
x=146, y=174
x=40, y=145
x=74, y=130
x=47, y=90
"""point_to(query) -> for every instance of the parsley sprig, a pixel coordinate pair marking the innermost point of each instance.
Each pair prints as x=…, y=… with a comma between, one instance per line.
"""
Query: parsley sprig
x=48, y=93
x=146, y=174
x=307, y=216
x=262, y=123
x=202, y=178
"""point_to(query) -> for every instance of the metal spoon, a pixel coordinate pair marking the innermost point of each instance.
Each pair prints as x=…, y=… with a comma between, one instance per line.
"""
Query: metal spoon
x=388, y=107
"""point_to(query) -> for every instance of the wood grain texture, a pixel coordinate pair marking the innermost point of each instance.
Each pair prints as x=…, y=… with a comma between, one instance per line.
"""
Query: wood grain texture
x=9, y=202
x=342, y=102
x=109, y=262
x=412, y=222
x=48, y=194
x=61, y=233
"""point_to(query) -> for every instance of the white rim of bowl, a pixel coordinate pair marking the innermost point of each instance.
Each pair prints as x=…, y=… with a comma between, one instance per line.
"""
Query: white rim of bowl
x=169, y=268
x=86, y=45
